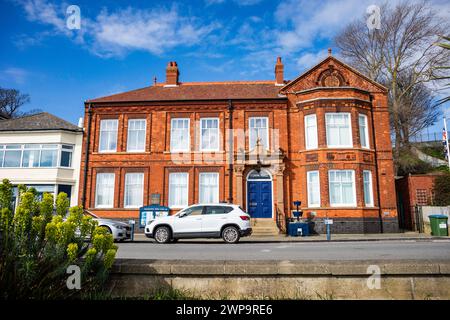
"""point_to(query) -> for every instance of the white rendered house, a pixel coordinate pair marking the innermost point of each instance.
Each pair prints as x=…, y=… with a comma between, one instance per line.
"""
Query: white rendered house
x=41, y=151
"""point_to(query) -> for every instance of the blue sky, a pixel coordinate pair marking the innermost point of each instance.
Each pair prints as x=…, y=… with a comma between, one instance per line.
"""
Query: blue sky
x=122, y=45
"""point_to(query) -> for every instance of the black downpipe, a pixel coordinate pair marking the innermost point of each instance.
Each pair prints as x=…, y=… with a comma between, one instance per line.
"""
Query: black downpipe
x=230, y=152
x=86, y=156
x=380, y=218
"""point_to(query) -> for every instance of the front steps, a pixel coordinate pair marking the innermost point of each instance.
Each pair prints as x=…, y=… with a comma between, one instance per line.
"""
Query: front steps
x=264, y=227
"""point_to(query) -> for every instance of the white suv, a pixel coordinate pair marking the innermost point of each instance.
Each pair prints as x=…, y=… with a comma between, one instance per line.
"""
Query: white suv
x=226, y=221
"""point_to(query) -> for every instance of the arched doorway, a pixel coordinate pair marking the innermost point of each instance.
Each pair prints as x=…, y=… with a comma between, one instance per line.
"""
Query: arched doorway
x=259, y=194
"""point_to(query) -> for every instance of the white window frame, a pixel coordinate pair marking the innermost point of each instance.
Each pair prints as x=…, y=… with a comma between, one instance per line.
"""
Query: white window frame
x=37, y=147
x=349, y=128
x=250, y=132
x=126, y=190
x=201, y=136
x=128, y=135
x=188, y=146
x=307, y=137
x=309, y=187
x=353, y=204
x=370, y=185
x=100, y=135
x=366, y=131
x=96, y=190
x=181, y=206
x=202, y=174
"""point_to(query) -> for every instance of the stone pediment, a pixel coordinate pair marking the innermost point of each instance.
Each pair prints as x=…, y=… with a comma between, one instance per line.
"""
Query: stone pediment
x=260, y=155
x=332, y=72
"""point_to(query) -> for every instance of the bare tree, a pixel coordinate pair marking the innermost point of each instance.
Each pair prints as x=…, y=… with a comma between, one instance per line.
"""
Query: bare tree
x=403, y=47
x=11, y=100
x=446, y=76
x=417, y=108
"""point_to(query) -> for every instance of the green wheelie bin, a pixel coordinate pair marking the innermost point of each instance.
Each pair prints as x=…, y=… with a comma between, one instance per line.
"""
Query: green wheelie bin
x=438, y=223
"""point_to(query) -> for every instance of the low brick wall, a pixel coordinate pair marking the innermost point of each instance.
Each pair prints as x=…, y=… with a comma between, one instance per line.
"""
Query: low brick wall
x=283, y=279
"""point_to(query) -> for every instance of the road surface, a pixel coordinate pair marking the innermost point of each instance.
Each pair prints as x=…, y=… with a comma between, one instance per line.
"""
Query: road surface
x=377, y=250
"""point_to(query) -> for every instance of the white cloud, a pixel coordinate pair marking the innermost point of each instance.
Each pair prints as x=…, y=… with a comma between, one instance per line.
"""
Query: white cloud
x=238, y=2
x=117, y=33
x=212, y=2
x=155, y=31
x=46, y=13
x=310, y=59
x=17, y=75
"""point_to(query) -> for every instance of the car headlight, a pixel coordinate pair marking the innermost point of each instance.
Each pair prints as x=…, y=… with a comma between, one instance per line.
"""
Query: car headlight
x=118, y=226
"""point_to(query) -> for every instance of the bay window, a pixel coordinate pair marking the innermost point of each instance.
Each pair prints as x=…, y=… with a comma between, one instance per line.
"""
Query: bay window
x=311, y=131
x=12, y=157
x=313, y=182
x=368, y=189
x=134, y=190
x=363, y=131
x=36, y=155
x=136, y=135
x=31, y=155
x=104, y=191
x=339, y=130
x=342, y=188
x=108, y=135
x=66, y=156
x=259, y=129
x=209, y=187
x=209, y=134
x=49, y=155
x=179, y=135
x=178, y=189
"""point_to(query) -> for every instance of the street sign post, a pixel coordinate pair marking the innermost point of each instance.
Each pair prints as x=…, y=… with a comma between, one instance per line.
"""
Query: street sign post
x=328, y=223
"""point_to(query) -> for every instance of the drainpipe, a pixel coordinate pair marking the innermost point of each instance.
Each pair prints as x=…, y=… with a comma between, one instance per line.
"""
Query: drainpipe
x=230, y=152
x=86, y=156
x=380, y=218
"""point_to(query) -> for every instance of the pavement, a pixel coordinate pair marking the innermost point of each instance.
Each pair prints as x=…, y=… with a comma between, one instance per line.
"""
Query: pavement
x=383, y=249
x=140, y=237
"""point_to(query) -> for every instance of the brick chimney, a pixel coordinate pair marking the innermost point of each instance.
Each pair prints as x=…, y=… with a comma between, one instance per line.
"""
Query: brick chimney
x=279, y=81
x=172, y=74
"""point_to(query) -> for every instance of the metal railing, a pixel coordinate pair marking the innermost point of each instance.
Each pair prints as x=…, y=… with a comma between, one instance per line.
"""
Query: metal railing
x=427, y=137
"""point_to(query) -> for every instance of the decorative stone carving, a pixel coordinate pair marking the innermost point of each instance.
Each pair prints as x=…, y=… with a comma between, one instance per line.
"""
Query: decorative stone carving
x=346, y=156
x=367, y=157
x=312, y=157
x=331, y=78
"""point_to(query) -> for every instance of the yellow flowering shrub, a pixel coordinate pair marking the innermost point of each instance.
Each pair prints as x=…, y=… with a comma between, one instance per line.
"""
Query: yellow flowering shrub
x=39, y=241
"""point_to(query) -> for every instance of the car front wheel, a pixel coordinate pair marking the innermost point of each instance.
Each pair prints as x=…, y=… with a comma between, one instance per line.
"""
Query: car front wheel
x=162, y=235
x=230, y=234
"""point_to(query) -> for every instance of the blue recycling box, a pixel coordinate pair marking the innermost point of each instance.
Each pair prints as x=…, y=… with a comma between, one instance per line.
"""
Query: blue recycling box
x=296, y=229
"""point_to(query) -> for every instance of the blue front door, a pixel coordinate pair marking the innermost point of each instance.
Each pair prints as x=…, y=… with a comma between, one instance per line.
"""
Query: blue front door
x=259, y=199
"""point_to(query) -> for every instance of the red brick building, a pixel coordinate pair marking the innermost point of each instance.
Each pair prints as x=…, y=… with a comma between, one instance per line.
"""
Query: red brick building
x=322, y=138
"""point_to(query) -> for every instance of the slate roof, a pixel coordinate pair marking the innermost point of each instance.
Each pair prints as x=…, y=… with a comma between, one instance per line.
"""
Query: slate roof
x=38, y=122
x=198, y=91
